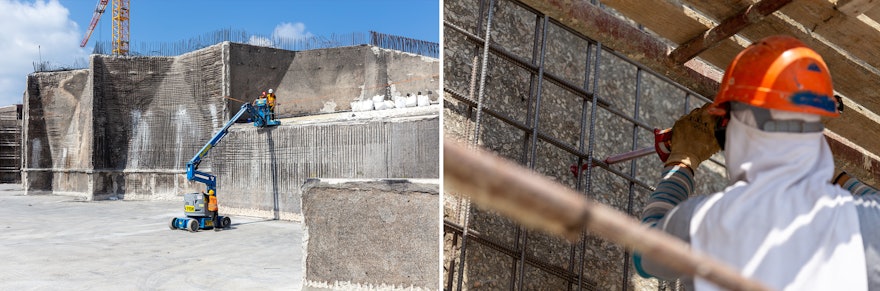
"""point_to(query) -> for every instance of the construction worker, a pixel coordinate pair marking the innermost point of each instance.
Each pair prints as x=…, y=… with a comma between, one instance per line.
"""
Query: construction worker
x=271, y=101
x=262, y=96
x=779, y=221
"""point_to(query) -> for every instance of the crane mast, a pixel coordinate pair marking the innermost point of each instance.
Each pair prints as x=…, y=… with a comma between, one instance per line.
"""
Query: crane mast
x=120, y=27
x=121, y=9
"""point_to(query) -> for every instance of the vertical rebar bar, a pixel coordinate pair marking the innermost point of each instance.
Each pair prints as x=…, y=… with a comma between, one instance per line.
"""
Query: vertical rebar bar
x=527, y=136
x=592, y=138
x=581, y=147
x=632, y=171
x=481, y=95
x=534, y=142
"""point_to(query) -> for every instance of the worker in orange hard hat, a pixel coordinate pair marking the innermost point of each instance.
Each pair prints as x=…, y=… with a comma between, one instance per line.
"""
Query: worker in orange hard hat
x=779, y=221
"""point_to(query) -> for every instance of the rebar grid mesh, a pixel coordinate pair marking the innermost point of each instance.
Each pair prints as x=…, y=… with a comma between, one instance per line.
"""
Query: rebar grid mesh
x=532, y=99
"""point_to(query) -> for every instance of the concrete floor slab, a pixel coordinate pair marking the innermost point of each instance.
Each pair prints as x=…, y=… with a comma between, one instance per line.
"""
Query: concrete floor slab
x=60, y=242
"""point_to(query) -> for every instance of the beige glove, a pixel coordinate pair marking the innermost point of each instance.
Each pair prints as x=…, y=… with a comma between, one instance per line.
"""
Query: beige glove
x=693, y=138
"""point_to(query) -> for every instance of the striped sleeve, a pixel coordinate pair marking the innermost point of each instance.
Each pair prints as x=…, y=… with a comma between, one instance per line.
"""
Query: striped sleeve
x=858, y=188
x=676, y=184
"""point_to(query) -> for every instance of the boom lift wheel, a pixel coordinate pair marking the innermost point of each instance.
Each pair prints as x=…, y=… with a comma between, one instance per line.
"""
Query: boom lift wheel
x=171, y=223
x=192, y=225
x=225, y=222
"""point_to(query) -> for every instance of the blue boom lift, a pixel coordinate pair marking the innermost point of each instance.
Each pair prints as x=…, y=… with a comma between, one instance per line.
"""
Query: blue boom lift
x=201, y=208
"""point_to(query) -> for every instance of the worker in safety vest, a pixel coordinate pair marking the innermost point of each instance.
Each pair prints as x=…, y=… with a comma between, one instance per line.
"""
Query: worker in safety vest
x=780, y=221
x=271, y=100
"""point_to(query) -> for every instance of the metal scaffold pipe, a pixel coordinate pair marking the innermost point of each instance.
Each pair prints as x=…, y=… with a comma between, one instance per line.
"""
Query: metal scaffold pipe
x=537, y=202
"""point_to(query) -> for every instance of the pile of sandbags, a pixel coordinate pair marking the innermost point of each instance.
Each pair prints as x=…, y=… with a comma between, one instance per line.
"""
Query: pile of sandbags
x=378, y=102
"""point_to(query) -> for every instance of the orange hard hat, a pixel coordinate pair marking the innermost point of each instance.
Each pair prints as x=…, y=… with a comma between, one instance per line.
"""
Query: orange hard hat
x=779, y=72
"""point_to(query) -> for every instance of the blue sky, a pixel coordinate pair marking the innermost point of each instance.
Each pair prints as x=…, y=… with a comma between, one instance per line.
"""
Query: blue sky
x=51, y=30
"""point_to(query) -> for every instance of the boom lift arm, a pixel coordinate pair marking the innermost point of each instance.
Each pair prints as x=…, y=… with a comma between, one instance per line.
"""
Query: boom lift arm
x=197, y=215
x=192, y=167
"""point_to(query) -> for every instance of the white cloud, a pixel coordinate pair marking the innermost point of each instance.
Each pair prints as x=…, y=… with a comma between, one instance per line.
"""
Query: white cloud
x=290, y=31
x=260, y=41
x=31, y=31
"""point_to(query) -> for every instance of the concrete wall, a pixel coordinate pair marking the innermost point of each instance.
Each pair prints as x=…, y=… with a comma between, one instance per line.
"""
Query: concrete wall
x=327, y=80
x=152, y=115
x=57, y=132
x=256, y=165
x=127, y=126
x=371, y=233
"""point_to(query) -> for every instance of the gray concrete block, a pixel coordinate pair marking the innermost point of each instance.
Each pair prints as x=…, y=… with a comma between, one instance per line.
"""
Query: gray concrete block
x=371, y=233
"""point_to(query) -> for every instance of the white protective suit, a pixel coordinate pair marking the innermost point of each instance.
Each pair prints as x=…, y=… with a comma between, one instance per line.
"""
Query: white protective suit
x=780, y=221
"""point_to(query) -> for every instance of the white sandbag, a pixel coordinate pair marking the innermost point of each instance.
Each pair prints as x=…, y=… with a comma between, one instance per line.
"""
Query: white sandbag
x=423, y=100
x=366, y=105
x=399, y=102
x=389, y=104
x=411, y=101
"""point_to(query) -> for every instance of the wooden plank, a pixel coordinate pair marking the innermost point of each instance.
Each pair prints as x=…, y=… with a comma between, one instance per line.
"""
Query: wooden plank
x=678, y=23
x=873, y=13
x=726, y=29
x=849, y=33
x=855, y=7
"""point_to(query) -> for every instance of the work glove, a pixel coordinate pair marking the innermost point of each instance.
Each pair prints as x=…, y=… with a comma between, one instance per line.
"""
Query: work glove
x=693, y=138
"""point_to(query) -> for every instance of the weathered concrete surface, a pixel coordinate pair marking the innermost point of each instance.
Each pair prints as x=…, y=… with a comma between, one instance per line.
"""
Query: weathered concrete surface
x=126, y=127
x=57, y=132
x=126, y=245
x=327, y=80
x=261, y=170
x=371, y=233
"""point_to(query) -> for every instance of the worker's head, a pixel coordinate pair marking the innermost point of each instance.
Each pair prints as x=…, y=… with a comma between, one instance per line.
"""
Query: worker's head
x=264, y=93
x=271, y=91
x=776, y=78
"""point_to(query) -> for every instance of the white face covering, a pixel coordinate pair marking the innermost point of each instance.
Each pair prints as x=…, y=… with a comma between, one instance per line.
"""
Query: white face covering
x=780, y=221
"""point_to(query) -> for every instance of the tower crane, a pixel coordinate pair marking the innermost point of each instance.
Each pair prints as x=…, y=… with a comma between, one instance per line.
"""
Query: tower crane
x=120, y=24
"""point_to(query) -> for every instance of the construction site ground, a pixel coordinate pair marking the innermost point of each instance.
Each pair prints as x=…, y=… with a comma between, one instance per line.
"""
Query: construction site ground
x=50, y=242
